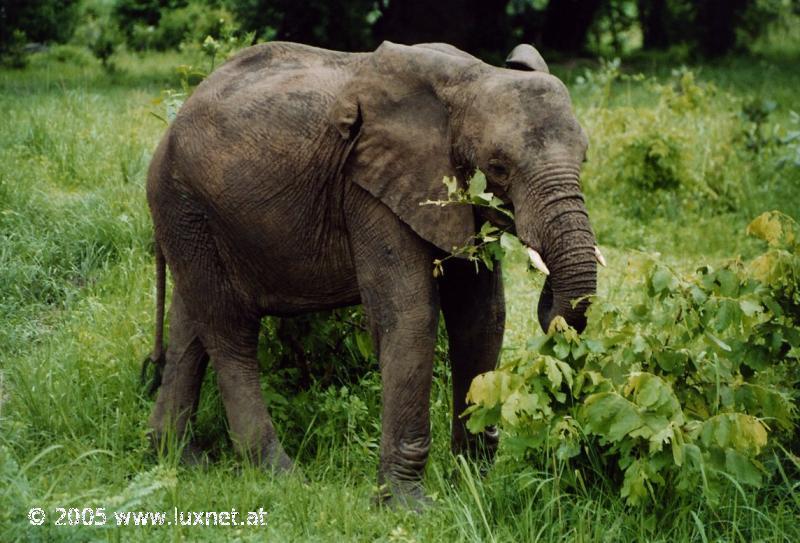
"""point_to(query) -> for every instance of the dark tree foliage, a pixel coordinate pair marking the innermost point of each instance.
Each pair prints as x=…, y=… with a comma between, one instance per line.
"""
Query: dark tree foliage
x=566, y=24
x=485, y=28
x=336, y=24
x=480, y=27
x=561, y=26
x=40, y=20
x=653, y=15
x=715, y=25
x=147, y=12
x=708, y=25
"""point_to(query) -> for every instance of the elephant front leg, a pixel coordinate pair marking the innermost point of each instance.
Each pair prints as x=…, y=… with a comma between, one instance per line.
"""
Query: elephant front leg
x=406, y=358
x=474, y=312
x=394, y=268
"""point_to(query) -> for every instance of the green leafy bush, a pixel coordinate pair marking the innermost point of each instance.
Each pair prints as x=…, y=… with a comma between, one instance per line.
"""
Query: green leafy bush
x=101, y=36
x=42, y=21
x=792, y=141
x=12, y=52
x=771, y=27
x=130, y=13
x=667, y=158
x=320, y=388
x=755, y=114
x=684, y=388
x=327, y=348
x=192, y=23
x=189, y=24
x=64, y=54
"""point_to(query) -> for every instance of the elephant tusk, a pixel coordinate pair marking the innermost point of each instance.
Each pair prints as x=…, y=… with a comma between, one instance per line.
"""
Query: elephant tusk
x=599, y=256
x=536, y=260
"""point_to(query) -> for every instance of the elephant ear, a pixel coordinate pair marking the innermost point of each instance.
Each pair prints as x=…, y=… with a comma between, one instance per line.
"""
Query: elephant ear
x=526, y=57
x=393, y=112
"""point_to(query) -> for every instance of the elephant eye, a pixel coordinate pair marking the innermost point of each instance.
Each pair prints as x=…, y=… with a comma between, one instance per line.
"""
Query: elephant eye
x=497, y=169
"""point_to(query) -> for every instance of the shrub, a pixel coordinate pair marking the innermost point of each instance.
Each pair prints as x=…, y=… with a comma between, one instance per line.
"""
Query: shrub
x=103, y=46
x=320, y=388
x=101, y=36
x=329, y=348
x=41, y=21
x=685, y=390
x=678, y=155
x=66, y=54
x=191, y=23
x=129, y=13
x=653, y=159
x=13, y=51
x=792, y=141
x=143, y=37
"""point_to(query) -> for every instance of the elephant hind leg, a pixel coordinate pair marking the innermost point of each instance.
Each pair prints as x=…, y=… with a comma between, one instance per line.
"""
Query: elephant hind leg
x=474, y=313
x=179, y=394
x=232, y=347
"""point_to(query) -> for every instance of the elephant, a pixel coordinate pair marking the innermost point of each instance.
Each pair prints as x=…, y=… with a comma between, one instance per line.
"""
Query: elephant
x=292, y=181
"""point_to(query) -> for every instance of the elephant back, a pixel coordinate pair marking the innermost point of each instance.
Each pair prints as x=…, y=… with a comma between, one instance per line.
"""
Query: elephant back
x=266, y=106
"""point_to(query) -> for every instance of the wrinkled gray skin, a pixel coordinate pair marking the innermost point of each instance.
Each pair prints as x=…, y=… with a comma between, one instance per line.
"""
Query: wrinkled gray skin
x=291, y=181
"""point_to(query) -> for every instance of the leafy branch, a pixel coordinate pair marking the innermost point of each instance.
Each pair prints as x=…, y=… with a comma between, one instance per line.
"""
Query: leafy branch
x=491, y=243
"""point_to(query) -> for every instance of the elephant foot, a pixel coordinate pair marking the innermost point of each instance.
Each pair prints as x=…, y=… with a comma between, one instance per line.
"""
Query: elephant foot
x=193, y=455
x=275, y=460
x=403, y=496
x=478, y=448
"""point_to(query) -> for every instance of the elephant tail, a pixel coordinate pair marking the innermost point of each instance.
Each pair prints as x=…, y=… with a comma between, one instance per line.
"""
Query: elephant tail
x=156, y=358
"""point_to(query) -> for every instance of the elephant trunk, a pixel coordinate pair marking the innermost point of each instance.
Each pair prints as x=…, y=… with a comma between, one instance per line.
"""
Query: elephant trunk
x=552, y=220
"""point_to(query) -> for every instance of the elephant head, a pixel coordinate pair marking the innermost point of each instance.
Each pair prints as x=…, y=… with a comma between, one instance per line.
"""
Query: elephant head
x=414, y=114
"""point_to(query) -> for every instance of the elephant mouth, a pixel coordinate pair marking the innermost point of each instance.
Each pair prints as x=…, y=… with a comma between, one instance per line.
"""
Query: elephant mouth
x=553, y=304
x=500, y=219
x=545, y=308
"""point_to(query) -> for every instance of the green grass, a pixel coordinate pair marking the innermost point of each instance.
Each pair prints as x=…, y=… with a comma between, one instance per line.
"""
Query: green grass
x=76, y=318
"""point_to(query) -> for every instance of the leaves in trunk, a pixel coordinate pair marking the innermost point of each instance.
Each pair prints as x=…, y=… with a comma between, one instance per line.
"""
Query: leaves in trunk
x=490, y=244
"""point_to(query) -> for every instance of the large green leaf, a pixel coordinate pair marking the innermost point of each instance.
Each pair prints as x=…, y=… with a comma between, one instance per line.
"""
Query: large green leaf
x=611, y=416
x=519, y=402
x=743, y=433
x=654, y=395
x=492, y=388
x=773, y=227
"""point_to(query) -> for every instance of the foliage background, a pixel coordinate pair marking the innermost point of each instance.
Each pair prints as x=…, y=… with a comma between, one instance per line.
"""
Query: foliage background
x=487, y=28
